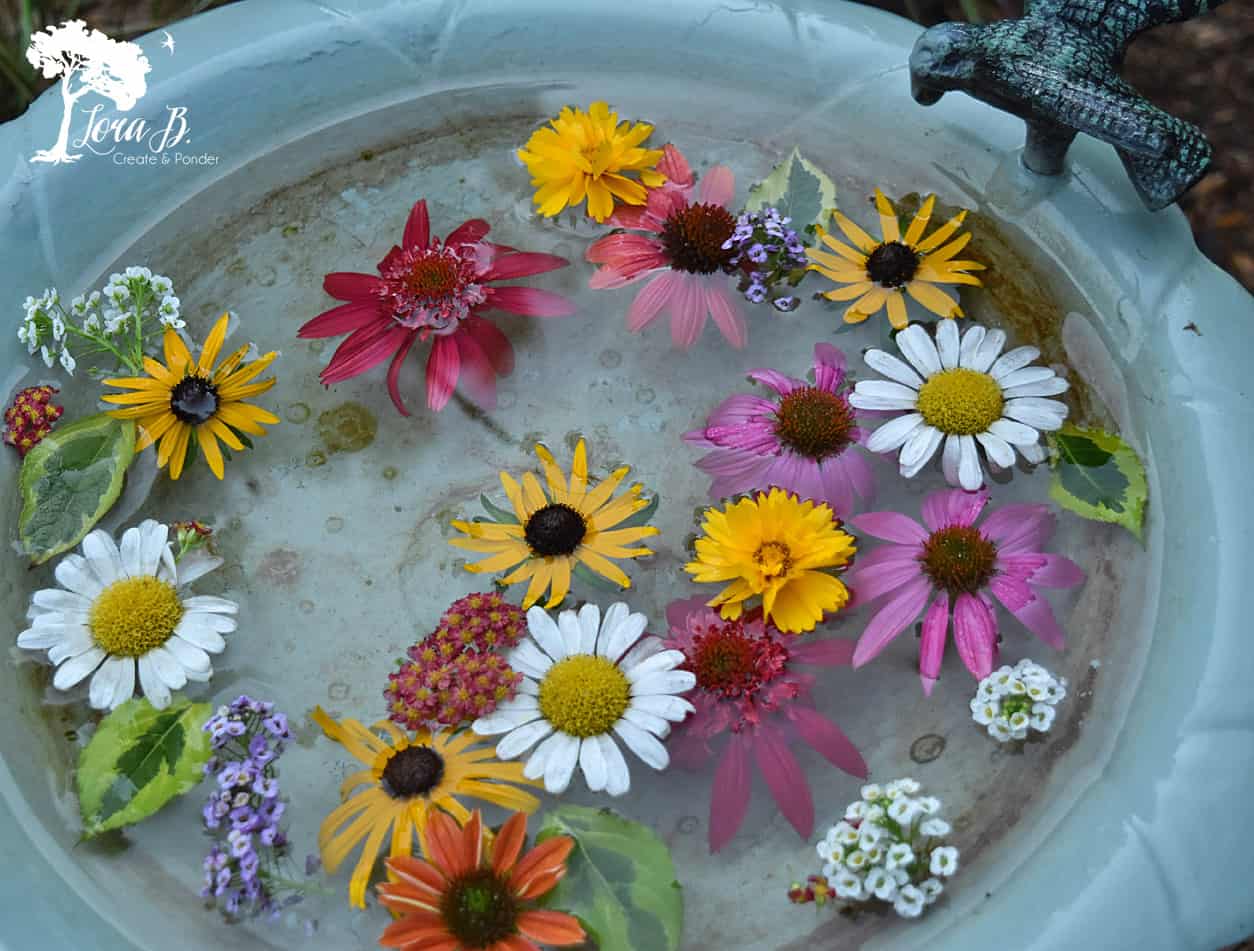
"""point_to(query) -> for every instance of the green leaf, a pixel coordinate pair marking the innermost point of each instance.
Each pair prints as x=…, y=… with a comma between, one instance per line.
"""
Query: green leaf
x=70, y=480
x=620, y=880
x=643, y=517
x=797, y=188
x=139, y=759
x=585, y=574
x=497, y=513
x=1099, y=477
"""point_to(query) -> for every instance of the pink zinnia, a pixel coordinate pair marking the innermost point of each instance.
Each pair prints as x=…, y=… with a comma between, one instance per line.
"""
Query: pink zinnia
x=960, y=565
x=749, y=688
x=433, y=289
x=802, y=440
x=685, y=242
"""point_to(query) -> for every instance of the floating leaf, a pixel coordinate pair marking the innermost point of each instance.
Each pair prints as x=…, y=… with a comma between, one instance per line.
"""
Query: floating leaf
x=70, y=480
x=643, y=517
x=798, y=189
x=139, y=759
x=497, y=513
x=1099, y=477
x=620, y=880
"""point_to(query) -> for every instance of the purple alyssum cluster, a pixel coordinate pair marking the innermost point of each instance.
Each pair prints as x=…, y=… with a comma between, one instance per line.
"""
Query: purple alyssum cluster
x=768, y=252
x=245, y=810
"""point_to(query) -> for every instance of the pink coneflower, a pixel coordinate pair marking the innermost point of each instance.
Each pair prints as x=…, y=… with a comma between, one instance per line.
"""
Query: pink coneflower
x=961, y=565
x=686, y=243
x=802, y=440
x=433, y=289
x=748, y=687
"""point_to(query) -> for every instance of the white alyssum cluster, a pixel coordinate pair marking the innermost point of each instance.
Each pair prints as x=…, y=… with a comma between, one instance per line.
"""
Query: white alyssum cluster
x=889, y=847
x=1011, y=701
x=109, y=320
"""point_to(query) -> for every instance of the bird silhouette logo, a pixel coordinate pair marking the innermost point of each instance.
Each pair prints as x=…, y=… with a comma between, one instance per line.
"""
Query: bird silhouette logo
x=168, y=42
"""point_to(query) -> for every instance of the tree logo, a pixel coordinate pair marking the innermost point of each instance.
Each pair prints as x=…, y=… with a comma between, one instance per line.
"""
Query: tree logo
x=87, y=61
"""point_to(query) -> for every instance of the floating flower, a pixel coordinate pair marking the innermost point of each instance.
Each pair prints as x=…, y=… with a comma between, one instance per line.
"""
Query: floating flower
x=573, y=524
x=686, y=244
x=767, y=253
x=749, y=687
x=30, y=417
x=120, y=609
x=590, y=155
x=957, y=566
x=585, y=679
x=801, y=440
x=879, y=274
x=962, y=394
x=1013, y=700
x=188, y=397
x=428, y=289
x=777, y=547
x=476, y=896
x=409, y=780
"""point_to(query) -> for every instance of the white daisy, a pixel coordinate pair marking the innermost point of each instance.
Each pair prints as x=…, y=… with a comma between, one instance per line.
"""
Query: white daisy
x=119, y=609
x=960, y=393
x=583, y=680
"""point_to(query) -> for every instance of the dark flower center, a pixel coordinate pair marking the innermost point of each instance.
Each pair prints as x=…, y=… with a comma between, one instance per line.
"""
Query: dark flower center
x=479, y=909
x=730, y=662
x=814, y=423
x=959, y=559
x=892, y=264
x=693, y=238
x=555, y=530
x=194, y=400
x=434, y=276
x=413, y=771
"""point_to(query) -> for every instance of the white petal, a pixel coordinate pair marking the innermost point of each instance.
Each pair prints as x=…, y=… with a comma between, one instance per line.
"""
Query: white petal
x=74, y=574
x=884, y=391
x=947, y=343
x=887, y=365
x=645, y=745
x=545, y=633
x=1014, y=433
x=529, y=659
x=641, y=651
x=504, y=721
x=193, y=659
x=649, y=722
x=987, y=351
x=1026, y=375
x=40, y=637
x=207, y=602
x=154, y=539
x=1050, y=387
x=666, y=706
x=559, y=766
x=920, y=448
x=73, y=644
x=197, y=676
x=949, y=459
x=54, y=599
x=165, y=666
x=74, y=670
x=105, y=684
x=917, y=347
x=614, y=616
x=894, y=433
x=662, y=660
x=195, y=565
x=202, y=635
x=153, y=686
x=1040, y=419
x=589, y=628
x=1054, y=407
x=1034, y=453
x=970, y=475
x=124, y=686
x=618, y=779
x=571, y=631
x=132, y=564
x=222, y=623
x=613, y=643
x=522, y=703
x=592, y=762
x=880, y=402
x=523, y=738
x=101, y=551
x=971, y=341
x=669, y=682
x=1012, y=360
x=998, y=449
x=528, y=687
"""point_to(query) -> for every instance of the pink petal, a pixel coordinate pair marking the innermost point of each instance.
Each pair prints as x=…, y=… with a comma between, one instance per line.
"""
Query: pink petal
x=359, y=288
x=837, y=487
x=468, y=232
x=742, y=408
x=627, y=257
x=729, y=795
x=343, y=319
x=785, y=778
x=678, y=612
x=891, y=526
x=688, y=311
x=1011, y=525
x=524, y=264
x=828, y=740
x=1012, y=592
x=1038, y=617
x=870, y=583
x=674, y=166
x=664, y=202
x=478, y=377
x=726, y=312
x=828, y=652
x=888, y=553
x=443, y=367
x=953, y=507
x=493, y=342
x=1058, y=572
x=529, y=301
x=829, y=367
x=975, y=633
x=779, y=382
x=363, y=350
x=718, y=186
x=632, y=216
x=932, y=645
x=1021, y=566
x=860, y=474
x=417, y=226
x=652, y=298
x=893, y=618
x=394, y=372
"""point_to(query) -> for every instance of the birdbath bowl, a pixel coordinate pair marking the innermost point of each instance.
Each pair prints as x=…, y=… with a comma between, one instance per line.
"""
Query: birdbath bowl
x=314, y=129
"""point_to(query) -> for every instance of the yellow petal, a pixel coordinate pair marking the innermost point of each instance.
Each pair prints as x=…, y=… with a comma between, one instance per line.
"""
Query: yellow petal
x=849, y=292
x=920, y=222
x=552, y=474
x=860, y=238
x=213, y=345
x=889, y=226
x=212, y=454
x=561, y=582
x=897, y=310
x=932, y=297
x=603, y=566
x=941, y=234
x=177, y=357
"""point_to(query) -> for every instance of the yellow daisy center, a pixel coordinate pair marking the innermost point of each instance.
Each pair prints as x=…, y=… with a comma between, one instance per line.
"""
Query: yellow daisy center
x=135, y=615
x=584, y=695
x=960, y=402
x=774, y=560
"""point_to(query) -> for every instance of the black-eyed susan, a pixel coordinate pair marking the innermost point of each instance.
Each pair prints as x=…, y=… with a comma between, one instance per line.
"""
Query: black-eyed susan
x=589, y=155
x=774, y=546
x=189, y=397
x=406, y=779
x=550, y=534
x=878, y=274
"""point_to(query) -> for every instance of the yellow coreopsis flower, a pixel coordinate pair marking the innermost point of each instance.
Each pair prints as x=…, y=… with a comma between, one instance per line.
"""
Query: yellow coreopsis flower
x=588, y=155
